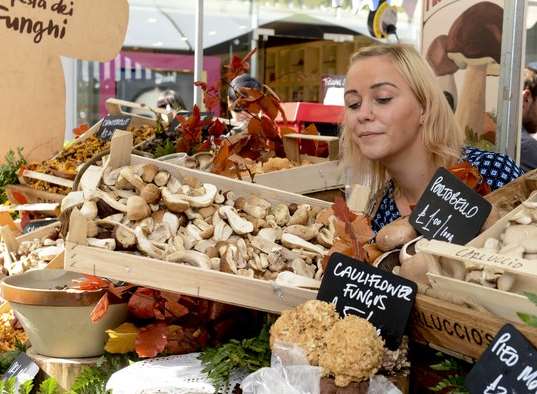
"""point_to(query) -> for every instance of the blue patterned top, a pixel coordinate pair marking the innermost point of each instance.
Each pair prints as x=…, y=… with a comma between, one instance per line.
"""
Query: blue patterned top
x=496, y=169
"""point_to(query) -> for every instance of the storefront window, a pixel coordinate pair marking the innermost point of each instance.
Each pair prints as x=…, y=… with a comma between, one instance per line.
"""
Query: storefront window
x=298, y=44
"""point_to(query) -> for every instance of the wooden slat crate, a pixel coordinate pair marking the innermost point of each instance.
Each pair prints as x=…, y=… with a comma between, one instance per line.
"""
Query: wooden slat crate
x=213, y=285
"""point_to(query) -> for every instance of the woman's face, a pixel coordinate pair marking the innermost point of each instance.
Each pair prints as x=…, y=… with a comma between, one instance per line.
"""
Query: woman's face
x=381, y=111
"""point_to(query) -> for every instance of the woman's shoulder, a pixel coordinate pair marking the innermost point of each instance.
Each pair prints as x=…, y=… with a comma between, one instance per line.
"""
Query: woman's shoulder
x=496, y=168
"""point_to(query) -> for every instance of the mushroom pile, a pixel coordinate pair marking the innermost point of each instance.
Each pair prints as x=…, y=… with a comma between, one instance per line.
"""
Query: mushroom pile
x=144, y=210
x=31, y=254
x=519, y=239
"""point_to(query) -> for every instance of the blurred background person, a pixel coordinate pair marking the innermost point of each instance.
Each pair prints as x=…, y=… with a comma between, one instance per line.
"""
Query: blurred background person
x=528, y=143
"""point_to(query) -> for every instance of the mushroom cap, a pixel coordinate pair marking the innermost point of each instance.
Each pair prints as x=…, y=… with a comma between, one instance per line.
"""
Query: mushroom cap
x=475, y=37
x=438, y=58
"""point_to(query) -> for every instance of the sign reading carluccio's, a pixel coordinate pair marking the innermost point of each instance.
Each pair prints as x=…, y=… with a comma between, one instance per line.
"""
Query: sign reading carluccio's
x=34, y=34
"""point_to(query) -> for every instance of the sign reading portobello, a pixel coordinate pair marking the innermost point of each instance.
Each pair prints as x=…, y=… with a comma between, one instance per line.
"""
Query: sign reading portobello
x=509, y=365
x=359, y=289
x=449, y=210
x=111, y=123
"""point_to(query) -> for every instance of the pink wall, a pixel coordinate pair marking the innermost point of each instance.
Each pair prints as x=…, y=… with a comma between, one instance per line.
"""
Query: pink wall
x=211, y=65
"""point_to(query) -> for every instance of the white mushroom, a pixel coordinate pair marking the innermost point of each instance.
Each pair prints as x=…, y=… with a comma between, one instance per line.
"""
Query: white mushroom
x=239, y=225
x=292, y=241
x=271, y=234
x=174, y=202
x=89, y=209
x=174, y=185
x=161, y=233
x=130, y=176
x=203, y=200
x=172, y=221
x=110, y=176
x=191, y=257
x=73, y=199
x=108, y=243
x=281, y=214
x=161, y=178
x=301, y=215
x=148, y=172
x=146, y=246
x=305, y=232
x=300, y=267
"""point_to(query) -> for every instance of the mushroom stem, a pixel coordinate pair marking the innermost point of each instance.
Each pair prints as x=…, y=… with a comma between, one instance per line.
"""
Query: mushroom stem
x=471, y=105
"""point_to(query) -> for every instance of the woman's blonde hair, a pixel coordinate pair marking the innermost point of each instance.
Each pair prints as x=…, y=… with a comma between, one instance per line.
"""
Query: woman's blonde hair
x=442, y=137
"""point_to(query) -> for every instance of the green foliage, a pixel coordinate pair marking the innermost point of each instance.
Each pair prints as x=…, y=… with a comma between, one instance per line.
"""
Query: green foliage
x=92, y=380
x=49, y=386
x=249, y=354
x=168, y=147
x=453, y=382
x=8, y=172
x=530, y=320
x=26, y=387
x=477, y=141
x=6, y=359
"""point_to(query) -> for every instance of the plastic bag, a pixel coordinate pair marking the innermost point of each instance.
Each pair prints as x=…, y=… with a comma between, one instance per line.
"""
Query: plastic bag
x=289, y=373
x=379, y=384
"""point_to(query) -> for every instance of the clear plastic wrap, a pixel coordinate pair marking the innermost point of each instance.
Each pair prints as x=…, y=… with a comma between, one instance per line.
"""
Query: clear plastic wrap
x=289, y=373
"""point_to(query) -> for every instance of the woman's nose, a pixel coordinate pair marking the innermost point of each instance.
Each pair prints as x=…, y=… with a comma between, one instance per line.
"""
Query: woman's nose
x=365, y=112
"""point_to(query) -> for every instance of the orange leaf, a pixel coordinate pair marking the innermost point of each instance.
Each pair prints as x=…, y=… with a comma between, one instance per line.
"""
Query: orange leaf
x=142, y=303
x=151, y=340
x=91, y=282
x=270, y=130
x=270, y=106
x=217, y=128
x=120, y=291
x=342, y=211
x=362, y=229
x=220, y=159
x=100, y=309
x=255, y=127
x=176, y=309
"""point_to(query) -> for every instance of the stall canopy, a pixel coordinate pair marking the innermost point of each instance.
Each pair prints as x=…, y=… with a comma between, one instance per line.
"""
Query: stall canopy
x=170, y=25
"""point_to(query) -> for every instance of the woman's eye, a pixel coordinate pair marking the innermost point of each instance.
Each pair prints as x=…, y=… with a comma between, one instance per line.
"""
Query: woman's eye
x=355, y=105
x=384, y=100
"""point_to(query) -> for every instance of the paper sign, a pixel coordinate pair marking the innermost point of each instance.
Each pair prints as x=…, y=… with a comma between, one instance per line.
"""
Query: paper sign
x=23, y=368
x=509, y=365
x=449, y=210
x=382, y=298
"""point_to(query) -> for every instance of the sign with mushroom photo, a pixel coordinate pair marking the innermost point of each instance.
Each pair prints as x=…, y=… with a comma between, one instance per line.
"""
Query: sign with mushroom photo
x=461, y=41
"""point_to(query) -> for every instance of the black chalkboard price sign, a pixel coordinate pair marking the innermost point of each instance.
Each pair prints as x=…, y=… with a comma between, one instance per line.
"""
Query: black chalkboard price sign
x=449, y=210
x=509, y=365
x=360, y=289
x=111, y=123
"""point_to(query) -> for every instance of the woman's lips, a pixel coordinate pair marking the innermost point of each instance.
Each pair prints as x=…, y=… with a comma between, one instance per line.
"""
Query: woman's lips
x=368, y=134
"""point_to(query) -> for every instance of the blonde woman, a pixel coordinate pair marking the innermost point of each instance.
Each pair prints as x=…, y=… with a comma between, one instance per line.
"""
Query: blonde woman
x=399, y=129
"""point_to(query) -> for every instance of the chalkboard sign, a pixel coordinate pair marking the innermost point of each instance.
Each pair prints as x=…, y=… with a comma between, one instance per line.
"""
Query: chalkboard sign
x=509, y=365
x=23, y=368
x=111, y=123
x=360, y=289
x=449, y=210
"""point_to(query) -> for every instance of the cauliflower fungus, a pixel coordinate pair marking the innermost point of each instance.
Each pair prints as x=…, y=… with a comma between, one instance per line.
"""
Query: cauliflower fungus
x=305, y=326
x=354, y=351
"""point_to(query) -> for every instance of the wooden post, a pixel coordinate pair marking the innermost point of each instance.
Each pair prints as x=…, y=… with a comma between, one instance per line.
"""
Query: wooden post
x=120, y=149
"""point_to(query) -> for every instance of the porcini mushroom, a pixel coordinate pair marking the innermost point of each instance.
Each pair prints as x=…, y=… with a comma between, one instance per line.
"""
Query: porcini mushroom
x=239, y=225
x=150, y=193
x=301, y=215
x=148, y=172
x=292, y=241
x=137, y=208
x=443, y=66
x=174, y=202
x=161, y=178
x=474, y=44
x=305, y=232
x=191, y=257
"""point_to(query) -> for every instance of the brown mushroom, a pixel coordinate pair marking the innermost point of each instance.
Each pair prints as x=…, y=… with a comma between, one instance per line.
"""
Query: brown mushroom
x=150, y=193
x=137, y=208
x=443, y=66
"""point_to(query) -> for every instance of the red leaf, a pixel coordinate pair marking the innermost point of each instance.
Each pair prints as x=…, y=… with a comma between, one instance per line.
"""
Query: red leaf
x=342, y=211
x=255, y=127
x=151, y=340
x=142, y=303
x=221, y=157
x=217, y=128
x=270, y=131
x=120, y=291
x=239, y=66
x=91, y=282
x=176, y=309
x=100, y=309
x=270, y=106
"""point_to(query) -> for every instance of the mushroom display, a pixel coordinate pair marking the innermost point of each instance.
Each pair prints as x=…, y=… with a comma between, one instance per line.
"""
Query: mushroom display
x=474, y=44
x=145, y=210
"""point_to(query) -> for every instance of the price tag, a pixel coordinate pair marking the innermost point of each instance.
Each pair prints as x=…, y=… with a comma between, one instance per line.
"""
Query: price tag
x=360, y=289
x=509, y=365
x=111, y=123
x=449, y=210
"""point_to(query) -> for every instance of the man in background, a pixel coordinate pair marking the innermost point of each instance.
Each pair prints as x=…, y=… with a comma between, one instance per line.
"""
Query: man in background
x=528, y=143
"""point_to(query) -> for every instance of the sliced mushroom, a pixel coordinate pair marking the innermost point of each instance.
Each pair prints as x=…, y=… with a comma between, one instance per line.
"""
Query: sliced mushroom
x=137, y=208
x=193, y=232
x=108, y=199
x=271, y=234
x=203, y=245
x=205, y=199
x=325, y=238
x=73, y=199
x=305, y=232
x=146, y=246
x=191, y=257
x=239, y=225
x=206, y=212
x=108, y=243
x=219, y=198
x=124, y=236
x=174, y=202
x=300, y=267
x=228, y=263
x=130, y=176
x=92, y=229
x=172, y=221
x=174, y=185
x=281, y=214
x=292, y=241
x=147, y=225
x=89, y=209
x=161, y=233
x=206, y=230
x=110, y=176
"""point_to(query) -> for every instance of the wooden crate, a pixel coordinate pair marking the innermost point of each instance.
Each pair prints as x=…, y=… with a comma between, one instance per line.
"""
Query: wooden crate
x=324, y=174
x=429, y=322
x=213, y=285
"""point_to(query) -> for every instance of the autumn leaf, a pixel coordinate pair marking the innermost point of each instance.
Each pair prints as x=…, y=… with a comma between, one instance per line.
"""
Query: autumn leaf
x=361, y=227
x=238, y=66
x=270, y=131
x=255, y=127
x=342, y=211
x=270, y=106
x=121, y=339
x=211, y=95
x=142, y=303
x=221, y=157
x=91, y=282
x=470, y=176
x=217, y=128
x=151, y=340
x=100, y=309
x=120, y=291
